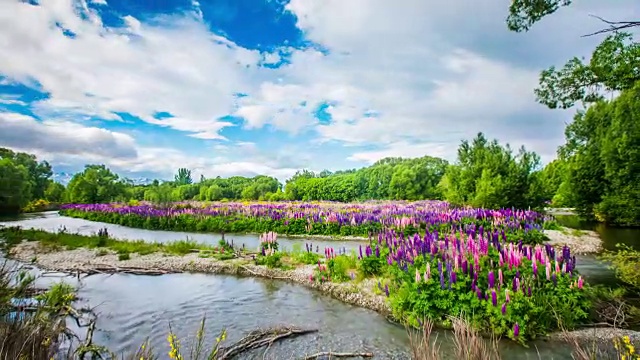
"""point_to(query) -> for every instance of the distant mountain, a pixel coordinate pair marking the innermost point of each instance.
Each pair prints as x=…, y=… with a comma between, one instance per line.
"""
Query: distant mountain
x=64, y=178
x=141, y=181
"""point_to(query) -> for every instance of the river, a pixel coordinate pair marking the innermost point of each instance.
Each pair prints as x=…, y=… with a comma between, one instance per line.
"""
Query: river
x=610, y=235
x=133, y=308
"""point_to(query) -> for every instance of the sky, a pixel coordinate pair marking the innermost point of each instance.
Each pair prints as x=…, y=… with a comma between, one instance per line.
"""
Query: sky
x=247, y=87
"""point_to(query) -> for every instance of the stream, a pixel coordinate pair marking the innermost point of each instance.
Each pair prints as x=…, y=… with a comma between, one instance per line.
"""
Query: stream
x=133, y=308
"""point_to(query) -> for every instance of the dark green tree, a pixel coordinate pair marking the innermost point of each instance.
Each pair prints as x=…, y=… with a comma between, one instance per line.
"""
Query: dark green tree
x=183, y=177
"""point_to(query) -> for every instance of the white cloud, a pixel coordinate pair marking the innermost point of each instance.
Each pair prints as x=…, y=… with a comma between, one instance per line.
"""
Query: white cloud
x=173, y=64
x=63, y=138
x=72, y=144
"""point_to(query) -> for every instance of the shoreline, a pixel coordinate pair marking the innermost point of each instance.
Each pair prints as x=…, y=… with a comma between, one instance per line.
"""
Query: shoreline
x=358, y=293
x=70, y=261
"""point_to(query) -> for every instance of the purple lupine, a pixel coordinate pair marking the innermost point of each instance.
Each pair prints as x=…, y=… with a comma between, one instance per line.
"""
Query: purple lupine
x=492, y=279
x=504, y=308
x=494, y=297
x=386, y=289
x=516, y=330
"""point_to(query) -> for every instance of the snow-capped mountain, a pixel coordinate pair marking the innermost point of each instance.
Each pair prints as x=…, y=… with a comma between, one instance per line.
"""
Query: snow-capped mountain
x=64, y=178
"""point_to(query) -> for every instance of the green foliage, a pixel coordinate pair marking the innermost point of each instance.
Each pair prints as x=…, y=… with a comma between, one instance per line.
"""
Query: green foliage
x=96, y=184
x=308, y=258
x=491, y=176
x=524, y=13
x=15, y=186
x=271, y=261
x=549, y=307
x=341, y=267
x=614, y=66
x=603, y=160
x=390, y=178
x=626, y=263
x=14, y=235
x=54, y=192
x=371, y=265
x=183, y=177
x=124, y=256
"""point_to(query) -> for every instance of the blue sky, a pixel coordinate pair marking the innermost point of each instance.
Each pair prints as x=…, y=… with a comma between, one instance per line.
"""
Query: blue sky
x=245, y=87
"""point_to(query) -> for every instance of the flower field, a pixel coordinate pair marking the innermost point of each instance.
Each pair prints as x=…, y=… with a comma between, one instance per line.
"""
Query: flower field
x=429, y=259
x=323, y=218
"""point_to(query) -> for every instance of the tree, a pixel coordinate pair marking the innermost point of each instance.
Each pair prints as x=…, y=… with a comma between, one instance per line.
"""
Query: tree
x=489, y=175
x=55, y=192
x=96, y=184
x=524, y=13
x=614, y=66
x=15, y=186
x=183, y=177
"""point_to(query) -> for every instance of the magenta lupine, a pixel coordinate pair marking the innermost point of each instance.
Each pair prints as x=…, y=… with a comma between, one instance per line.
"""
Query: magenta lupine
x=504, y=308
x=500, y=278
x=580, y=282
x=494, y=297
x=516, y=330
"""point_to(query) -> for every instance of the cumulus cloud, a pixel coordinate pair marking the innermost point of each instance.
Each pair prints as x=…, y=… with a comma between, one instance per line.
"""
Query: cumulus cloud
x=72, y=144
x=170, y=64
x=64, y=138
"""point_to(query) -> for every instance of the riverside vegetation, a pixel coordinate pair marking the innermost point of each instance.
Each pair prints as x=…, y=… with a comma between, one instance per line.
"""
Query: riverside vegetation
x=428, y=259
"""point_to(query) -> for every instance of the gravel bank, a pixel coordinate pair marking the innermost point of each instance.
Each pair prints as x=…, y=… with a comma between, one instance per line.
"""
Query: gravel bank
x=580, y=241
x=359, y=294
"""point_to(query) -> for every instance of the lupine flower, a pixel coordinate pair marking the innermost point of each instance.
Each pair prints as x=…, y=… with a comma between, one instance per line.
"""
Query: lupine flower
x=580, y=282
x=418, y=276
x=516, y=330
x=491, y=279
x=386, y=290
x=506, y=295
x=494, y=297
x=504, y=308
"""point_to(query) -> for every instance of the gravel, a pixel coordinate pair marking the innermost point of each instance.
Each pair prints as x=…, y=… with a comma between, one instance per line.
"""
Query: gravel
x=580, y=241
x=357, y=293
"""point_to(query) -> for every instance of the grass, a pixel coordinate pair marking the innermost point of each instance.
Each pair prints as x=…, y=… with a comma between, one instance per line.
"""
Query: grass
x=70, y=241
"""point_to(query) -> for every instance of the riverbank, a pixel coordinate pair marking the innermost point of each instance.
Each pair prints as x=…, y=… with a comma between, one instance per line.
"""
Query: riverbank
x=355, y=292
x=580, y=241
x=359, y=293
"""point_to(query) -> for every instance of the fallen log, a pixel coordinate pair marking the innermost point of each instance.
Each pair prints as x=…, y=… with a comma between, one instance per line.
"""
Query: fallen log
x=339, y=355
x=260, y=338
x=264, y=275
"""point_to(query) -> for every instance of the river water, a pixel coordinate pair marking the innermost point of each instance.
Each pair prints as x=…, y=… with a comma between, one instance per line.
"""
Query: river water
x=133, y=308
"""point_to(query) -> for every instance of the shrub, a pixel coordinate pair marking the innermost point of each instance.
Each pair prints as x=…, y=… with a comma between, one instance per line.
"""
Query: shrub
x=124, y=256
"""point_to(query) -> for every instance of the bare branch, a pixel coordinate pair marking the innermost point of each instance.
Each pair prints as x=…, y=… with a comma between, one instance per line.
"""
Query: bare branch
x=614, y=26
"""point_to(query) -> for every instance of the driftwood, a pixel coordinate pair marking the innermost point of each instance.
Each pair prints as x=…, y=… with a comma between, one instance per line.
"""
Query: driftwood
x=260, y=338
x=264, y=275
x=338, y=355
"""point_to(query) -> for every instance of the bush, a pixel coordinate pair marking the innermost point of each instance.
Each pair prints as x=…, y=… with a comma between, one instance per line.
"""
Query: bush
x=124, y=256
